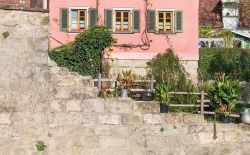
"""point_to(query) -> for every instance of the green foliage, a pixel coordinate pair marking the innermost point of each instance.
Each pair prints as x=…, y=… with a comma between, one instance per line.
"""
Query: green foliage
x=40, y=145
x=106, y=69
x=233, y=62
x=228, y=38
x=5, y=34
x=166, y=67
x=84, y=55
x=162, y=92
x=162, y=129
x=224, y=92
x=206, y=31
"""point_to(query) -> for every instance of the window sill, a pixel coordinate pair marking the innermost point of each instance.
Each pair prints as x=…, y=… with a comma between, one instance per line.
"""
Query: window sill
x=122, y=32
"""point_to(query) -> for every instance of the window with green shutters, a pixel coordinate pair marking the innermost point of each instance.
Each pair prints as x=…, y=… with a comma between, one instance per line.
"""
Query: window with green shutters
x=165, y=21
x=76, y=19
x=123, y=21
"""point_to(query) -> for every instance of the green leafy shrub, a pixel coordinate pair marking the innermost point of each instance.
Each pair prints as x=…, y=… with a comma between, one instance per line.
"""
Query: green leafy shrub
x=83, y=56
x=40, y=146
x=233, y=62
x=166, y=67
x=224, y=92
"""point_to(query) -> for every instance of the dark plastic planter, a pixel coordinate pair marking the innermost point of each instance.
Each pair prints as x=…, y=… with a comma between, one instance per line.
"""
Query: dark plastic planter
x=225, y=119
x=163, y=108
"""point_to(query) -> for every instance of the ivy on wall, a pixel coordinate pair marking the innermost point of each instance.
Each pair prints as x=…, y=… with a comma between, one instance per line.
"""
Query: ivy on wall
x=83, y=56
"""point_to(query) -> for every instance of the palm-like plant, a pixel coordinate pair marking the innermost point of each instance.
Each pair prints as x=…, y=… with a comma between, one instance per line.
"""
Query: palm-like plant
x=162, y=92
x=225, y=92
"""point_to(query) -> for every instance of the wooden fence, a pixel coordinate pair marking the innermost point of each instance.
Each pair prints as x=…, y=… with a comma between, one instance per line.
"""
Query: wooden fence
x=202, y=96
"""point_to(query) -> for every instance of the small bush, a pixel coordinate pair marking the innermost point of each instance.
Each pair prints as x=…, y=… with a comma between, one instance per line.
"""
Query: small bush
x=40, y=146
x=166, y=67
x=233, y=62
x=84, y=55
x=5, y=34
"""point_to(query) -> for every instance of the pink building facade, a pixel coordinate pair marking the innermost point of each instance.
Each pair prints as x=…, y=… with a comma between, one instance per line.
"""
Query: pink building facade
x=142, y=28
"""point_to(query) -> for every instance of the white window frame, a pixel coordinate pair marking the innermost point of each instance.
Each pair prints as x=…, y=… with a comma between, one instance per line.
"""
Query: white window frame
x=69, y=16
x=157, y=20
x=113, y=20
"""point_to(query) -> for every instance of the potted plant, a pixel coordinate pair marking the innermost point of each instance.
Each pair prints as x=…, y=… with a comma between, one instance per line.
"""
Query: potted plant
x=162, y=95
x=224, y=93
x=125, y=81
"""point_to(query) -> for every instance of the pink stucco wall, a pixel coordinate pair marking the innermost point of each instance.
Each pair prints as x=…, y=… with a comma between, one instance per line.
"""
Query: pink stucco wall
x=185, y=44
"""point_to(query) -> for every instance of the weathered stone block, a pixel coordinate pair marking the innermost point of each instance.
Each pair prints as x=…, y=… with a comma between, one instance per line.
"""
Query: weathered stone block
x=189, y=119
x=131, y=119
x=73, y=105
x=90, y=118
x=195, y=129
x=6, y=131
x=94, y=105
x=30, y=118
x=64, y=119
x=156, y=142
x=5, y=118
x=102, y=130
x=63, y=71
x=111, y=142
x=147, y=107
x=200, y=119
x=110, y=119
x=172, y=118
x=207, y=138
x=119, y=107
x=153, y=119
x=56, y=105
x=66, y=81
x=233, y=136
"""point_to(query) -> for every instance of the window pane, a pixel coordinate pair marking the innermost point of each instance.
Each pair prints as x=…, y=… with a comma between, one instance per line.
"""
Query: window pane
x=161, y=15
x=125, y=26
x=168, y=15
x=82, y=13
x=118, y=14
x=125, y=14
x=168, y=20
x=74, y=20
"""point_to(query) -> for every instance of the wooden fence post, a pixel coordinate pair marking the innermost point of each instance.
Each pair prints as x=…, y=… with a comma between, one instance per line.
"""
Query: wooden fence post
x=152, y=83
x=202, y=102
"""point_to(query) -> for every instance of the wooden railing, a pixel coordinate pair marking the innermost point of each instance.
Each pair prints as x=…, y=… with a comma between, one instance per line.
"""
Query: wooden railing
x=202, y=96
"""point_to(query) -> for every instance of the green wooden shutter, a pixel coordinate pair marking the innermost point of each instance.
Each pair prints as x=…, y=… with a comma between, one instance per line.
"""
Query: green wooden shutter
x=92, y=17
x=136, y=21
x=151, y=21
x=108, y=19
x=178, y=21
x=64, y=19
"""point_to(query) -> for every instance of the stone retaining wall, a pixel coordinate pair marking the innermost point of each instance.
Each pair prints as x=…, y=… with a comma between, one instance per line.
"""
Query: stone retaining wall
x=41, y=101
x=118, y=127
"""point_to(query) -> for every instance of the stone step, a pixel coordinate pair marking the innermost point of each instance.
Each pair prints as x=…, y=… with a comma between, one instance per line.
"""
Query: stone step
x=63, y=71
x=51, y=63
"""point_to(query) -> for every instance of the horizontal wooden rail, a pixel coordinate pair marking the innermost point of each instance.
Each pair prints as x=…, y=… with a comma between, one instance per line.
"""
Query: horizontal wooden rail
x=186, y=105
x=213, y=113
x=186, y=93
